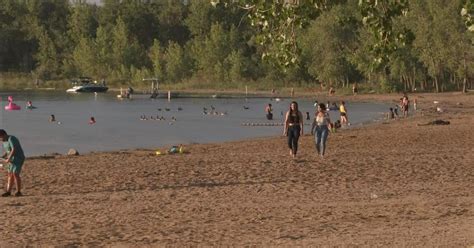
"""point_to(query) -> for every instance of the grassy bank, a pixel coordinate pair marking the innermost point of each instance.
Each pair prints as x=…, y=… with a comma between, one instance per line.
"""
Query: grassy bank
x=198, y=87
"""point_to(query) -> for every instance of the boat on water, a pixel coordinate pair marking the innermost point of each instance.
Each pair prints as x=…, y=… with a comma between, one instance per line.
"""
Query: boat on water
x=86, y=84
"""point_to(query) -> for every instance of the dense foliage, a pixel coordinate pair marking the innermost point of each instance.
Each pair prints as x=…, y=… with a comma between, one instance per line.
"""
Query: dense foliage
x=391, y=45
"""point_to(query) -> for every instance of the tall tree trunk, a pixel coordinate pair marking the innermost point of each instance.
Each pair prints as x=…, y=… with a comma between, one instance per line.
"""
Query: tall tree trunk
x=464, y=90
x=402, y=80
x=464, y=83
x=436, y=84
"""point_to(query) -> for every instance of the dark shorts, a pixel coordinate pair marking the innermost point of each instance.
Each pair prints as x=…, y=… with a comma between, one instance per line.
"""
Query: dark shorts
x=343, y=114
x=15, y=167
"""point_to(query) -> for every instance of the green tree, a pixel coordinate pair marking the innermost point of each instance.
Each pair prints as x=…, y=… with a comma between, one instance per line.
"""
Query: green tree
x=237, y=66
x=438, y=29
x=157, y=59
x=211, y=52
x=328, y=45
x=85, y=57
x=16, y=47
x=82, y=22
x=176, y=63
x=125, y=49
x=47, y=57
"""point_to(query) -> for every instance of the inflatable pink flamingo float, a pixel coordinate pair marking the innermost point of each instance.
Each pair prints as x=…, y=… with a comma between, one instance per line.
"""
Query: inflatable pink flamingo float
x=11, y=105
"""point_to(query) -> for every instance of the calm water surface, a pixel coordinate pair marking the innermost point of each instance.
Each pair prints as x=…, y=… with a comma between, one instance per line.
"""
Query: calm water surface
x=119, y=126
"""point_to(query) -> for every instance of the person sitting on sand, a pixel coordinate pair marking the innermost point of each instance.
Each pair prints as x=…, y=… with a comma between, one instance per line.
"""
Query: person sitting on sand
x=268, y=110
x=52, y=118
x=435, y=122
x=293, y=127
x=14, y=159
x=92, y=120
x=334, y=126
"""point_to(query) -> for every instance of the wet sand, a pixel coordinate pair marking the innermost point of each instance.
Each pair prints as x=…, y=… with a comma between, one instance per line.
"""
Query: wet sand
x=391, y=184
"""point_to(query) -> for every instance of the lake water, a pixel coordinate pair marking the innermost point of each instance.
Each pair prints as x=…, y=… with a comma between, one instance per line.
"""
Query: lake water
x=119, y=126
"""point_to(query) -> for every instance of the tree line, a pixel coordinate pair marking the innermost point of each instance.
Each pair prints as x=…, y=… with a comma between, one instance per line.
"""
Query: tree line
x=125, y=41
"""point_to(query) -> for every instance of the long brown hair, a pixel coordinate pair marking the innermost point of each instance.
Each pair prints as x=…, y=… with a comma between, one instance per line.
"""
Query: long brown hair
x=296, y=107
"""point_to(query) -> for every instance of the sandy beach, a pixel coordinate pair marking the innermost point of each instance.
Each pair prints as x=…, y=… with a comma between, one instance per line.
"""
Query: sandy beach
x=391, y=184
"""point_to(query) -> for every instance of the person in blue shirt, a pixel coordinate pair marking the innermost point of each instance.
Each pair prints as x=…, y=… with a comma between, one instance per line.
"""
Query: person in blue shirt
x=13, y=158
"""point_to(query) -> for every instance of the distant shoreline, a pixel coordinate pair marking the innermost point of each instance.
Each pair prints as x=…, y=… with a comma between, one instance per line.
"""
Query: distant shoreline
x=283, y=93
x=424, y=100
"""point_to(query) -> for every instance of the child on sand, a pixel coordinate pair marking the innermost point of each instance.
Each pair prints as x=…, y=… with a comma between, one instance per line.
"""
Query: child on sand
x=14, y=158
x=391, y=114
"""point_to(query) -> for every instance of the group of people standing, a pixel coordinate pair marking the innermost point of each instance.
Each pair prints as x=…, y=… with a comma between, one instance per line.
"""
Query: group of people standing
x=404, y=105
x=321, y=125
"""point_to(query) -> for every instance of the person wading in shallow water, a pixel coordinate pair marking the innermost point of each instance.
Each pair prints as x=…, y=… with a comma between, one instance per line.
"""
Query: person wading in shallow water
x=269, y=111
x=14, y=158
x=293, y=127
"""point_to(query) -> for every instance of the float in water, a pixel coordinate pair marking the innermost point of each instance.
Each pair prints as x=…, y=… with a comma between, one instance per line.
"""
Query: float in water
x=11, y=105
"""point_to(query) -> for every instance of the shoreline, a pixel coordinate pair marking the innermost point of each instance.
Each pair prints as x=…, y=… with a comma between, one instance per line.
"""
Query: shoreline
x=447, y=98
x=396, y=184
x=299, y=92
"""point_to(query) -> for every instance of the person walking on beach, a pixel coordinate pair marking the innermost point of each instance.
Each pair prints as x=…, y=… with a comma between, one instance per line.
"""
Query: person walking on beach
x=293, y=127
x=343, y=111
x=320, y=129
x=13, y=159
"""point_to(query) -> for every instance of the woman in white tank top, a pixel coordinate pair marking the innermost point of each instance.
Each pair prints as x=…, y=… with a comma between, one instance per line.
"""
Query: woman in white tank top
x=320, y=129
